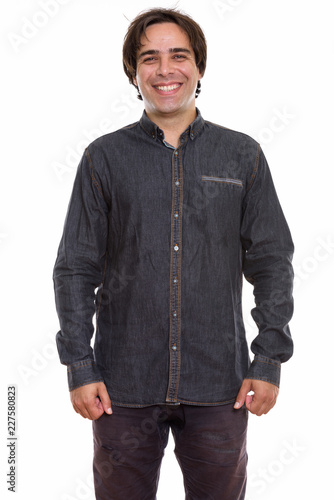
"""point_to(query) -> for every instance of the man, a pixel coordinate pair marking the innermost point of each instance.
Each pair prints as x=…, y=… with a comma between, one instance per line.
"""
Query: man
x=165, y=216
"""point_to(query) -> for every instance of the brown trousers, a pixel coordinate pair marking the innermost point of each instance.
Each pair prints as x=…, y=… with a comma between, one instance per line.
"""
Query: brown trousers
x=210, y=446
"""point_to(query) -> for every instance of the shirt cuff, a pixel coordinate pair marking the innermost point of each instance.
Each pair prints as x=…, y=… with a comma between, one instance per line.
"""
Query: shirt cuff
x=83, y=373
x=266, y=369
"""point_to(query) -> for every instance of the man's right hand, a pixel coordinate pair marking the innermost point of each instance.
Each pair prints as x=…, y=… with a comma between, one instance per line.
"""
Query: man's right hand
x=91, y=400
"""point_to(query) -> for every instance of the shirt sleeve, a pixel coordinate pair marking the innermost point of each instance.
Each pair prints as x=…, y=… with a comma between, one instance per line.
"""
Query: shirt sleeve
x=78, y=272
x=267, y=265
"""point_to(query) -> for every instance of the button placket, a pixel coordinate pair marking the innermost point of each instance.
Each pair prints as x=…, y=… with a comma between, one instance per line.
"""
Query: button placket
x=174, y=339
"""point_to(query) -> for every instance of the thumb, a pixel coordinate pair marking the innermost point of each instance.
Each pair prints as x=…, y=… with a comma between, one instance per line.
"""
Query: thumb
x=244, y=390
x=105, y=400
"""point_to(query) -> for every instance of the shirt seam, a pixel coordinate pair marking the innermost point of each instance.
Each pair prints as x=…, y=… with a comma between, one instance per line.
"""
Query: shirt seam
x=267, y=362
x=264, y=379
x=72, y=368
x=256, y=166
x=95, y=182
x=85, y=383
x=103, y=277
x=168, y=403
x=222, y=180
x=127, y=127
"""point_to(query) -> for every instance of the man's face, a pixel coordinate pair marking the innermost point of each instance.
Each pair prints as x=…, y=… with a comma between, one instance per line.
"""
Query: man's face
x=167, y=74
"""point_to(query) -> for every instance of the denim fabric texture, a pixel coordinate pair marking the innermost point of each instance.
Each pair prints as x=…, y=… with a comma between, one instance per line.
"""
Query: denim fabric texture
x=156, y=243
x=210, y=447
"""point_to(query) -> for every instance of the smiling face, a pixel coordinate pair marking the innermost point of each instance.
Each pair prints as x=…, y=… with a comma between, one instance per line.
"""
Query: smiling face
x=167, y=74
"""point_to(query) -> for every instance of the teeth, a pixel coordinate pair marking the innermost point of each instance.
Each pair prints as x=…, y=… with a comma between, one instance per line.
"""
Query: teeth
x=168, y=88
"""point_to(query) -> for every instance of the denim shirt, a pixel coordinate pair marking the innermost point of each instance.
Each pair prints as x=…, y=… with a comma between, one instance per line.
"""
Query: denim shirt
x=156, y=243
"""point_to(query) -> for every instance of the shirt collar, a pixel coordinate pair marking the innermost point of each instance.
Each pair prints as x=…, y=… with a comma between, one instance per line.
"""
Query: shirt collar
x=154, y=131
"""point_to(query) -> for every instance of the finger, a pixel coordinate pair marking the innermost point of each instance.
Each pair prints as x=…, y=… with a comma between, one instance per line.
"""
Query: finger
x=270, y=402
x=248, y=399
x=79, y=410
x=89, y=400
x=261, y=405
x=92, y=410
x=98, y=403
x=250, y=404
x=241, y=397
x=75, y=408
x=264, y=398
x=105, y=400
x=74, y=401
x=87, y=408
x=254, y=404
x=271, y=406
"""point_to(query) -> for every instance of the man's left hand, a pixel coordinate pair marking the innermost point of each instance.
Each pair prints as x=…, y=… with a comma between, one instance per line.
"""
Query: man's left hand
x=263, y=399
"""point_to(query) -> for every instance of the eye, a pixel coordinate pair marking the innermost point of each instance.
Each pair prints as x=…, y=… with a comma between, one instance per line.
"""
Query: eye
x=179, y=56
x=150, y=59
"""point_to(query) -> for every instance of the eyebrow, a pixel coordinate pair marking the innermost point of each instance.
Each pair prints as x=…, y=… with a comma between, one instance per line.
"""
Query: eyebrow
x=157, y=52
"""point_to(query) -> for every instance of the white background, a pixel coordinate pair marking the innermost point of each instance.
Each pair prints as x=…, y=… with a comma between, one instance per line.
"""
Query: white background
x=62, y=84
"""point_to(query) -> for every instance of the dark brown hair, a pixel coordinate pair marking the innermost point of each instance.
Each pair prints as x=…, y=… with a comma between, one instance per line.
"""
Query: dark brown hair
x=156, y=16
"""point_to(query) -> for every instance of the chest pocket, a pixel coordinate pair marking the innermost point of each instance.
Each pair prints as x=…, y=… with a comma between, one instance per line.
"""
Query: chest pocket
x=226, y=180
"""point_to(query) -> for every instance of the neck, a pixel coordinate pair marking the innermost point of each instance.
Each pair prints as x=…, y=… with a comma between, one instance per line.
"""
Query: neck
x=173, y=125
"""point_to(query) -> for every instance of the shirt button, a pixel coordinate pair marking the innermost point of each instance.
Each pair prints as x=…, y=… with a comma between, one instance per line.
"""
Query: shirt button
x=175, y=280
x=177, y=183
x=174, y=347
x=176, y=153
x=176, y=215
x=176, y=248
x=174, y=314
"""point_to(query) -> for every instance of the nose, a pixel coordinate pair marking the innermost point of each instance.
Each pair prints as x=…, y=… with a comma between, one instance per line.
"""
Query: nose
x=165, y=66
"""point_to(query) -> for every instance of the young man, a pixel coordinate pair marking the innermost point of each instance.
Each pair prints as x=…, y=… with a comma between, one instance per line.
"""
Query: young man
x=165, y=216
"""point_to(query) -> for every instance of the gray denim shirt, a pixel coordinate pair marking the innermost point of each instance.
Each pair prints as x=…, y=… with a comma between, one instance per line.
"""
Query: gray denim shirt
x=156, y=242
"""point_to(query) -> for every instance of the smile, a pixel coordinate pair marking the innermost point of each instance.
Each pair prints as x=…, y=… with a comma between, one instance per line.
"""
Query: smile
x=167, y=88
